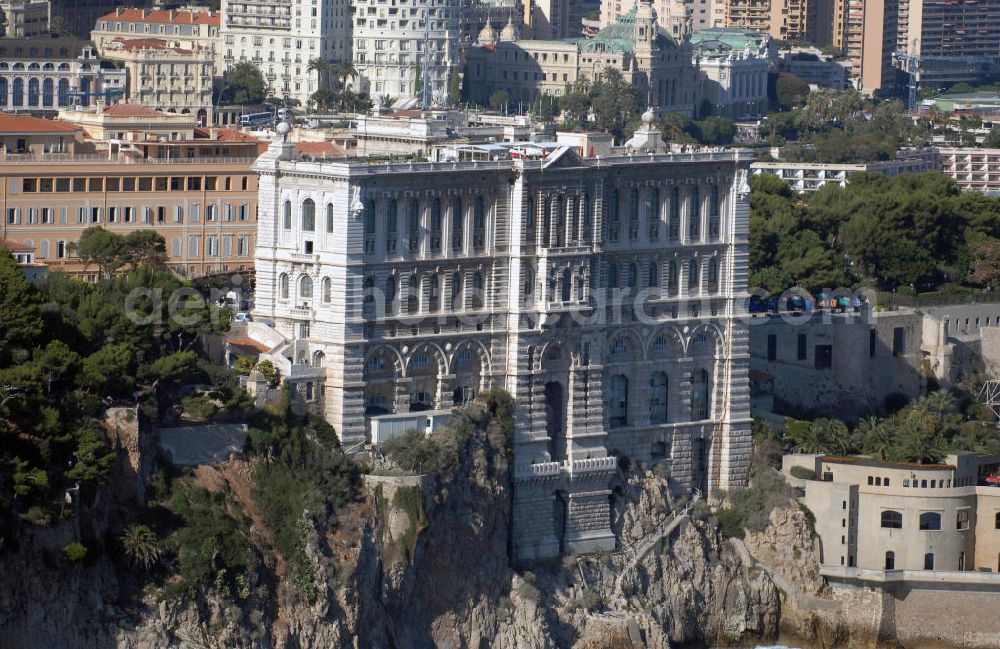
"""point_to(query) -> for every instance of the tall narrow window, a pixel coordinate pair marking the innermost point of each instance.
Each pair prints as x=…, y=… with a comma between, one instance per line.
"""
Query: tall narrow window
x=308, y=215
x=693, y=274
x=329, y=219
x=457, y=223
x=287, y=216
x=434, y=294
x=390, y=227
x=436, y=225
x=477, y=290
x=479, y=224
x=283, y=286
x=613, y=224
x=567, y=285
x=412, y=294
x=369, y=224
x=306, y=287
x=654, y=273
x=327, y=290
x=700, y=401
x=713, y=275
x=618, y=410
x=390, y=293
x=654, y=214
x=612, y=275
x=674, y=226
x=694, y=214
x=413, y=228
x=658, y=398
x=713, y=212
x=456, y=292
x=672, y=276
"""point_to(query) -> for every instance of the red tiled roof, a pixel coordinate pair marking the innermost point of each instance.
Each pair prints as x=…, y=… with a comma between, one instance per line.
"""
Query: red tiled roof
x=168, y=17
x=132, y=110
x=15, y=246
x=26, y=124
x=248, y=344
x=320, y=149
x=224, y=135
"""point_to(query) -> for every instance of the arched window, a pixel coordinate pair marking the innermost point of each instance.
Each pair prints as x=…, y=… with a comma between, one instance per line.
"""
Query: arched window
x=308, y=215
x=892, y=520
x=633, y=275
x=620, y=346
x=654, y=205
x=633, y=205
x=890, y=560
x=654, y=273
x=618, y=412
x=713, y=274
x=436, y=224
x=412, y=294
x=612, y=275
x=479, y=224
x=63, y=90
x=283, y=286
x=329, y=218
x=529, y=221
x=613, y=224
x=672, y=276
x=33, y=93
x=327, y=290
x=567, y=285
x=930, y=521
x=658, y=398
x=305, y=287
x=713, y=212
x=700, y=400
x=286, y=219
x=434, y=294
x=693, y=273
x=319, y=358
x=48, y=91
x=456, y=292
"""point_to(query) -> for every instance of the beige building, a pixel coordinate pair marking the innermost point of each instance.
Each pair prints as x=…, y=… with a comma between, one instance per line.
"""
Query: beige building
x=165, y=77
x=194, y=28
x=103, y=123
x=672, y=15
x=660, y=67
x=868, y=31
x=204, y=205
x=782, y=19
x=889, y=516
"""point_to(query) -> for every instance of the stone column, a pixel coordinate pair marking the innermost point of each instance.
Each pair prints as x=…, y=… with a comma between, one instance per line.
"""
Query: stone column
x=445, y=391
x=402, y=390
x=588, y=522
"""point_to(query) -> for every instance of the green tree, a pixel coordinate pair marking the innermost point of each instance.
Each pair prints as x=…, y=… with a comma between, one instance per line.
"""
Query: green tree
x=107, y=368
x=992, y=139
x=790, y=91
x=174, y=368
x=920, y=440
x=499, y=99
x=102, y=247
x=716, y=130
x=985, y=267
x=322, y=69
x=878, y=438
x=93, y=461
x=614, y=101
x=243, y=84
x=244, y=365
x=20, y=308
x=344, y=70
x=454, y=88
x=55, y=360
x=145, y=247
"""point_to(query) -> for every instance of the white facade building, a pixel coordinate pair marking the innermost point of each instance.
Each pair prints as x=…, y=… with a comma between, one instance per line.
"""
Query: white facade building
x=281, y=37
x=44, y=74
x=398, y=48
x=601, y=293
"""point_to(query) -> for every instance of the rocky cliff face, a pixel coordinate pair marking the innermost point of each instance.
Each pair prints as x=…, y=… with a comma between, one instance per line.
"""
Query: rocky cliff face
x=423, y=565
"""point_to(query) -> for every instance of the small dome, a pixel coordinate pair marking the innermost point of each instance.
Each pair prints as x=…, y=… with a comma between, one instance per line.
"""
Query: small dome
x=283, y=128
x=508, y=33
x=487, y=36
x=648, y=117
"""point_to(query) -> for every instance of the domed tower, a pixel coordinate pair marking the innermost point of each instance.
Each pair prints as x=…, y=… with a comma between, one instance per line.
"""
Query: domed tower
x=487, y=35
x=509, y=33
x=646, y=29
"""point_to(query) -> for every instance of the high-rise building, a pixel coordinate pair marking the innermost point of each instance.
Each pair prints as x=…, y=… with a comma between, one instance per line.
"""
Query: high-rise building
x=782, y=19
x=282, y=37
x=872, y=36
x=672, y=15
x=603, y=294
x=408, y=50
x=956, y=40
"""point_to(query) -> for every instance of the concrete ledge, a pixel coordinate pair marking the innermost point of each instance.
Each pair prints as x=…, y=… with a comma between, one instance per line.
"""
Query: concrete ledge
x=990, y=580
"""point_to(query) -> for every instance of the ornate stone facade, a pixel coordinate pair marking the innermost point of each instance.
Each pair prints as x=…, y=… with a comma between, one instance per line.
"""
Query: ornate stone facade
x=601, y=293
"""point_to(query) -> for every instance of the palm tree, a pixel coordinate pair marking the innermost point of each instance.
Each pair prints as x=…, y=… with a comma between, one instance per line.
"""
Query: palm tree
x=939, y=402
x=343, y=70
x=321, y=68
x=141, y=545
x=877, y=436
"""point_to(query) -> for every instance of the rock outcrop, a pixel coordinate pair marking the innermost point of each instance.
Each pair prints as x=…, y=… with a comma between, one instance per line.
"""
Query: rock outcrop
x=419, y=564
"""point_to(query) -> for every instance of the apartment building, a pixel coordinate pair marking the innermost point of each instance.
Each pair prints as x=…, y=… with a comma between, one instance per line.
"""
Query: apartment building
x=733, y=64
x=957, y=40
x=889, y=516
x=203, y=205
x=971, y=168
x=870, y=35
x=281, y=37
x=398, y=290
x=782, y=19
x=24, y=18
x=42, y=74
x=400, y=50
x=188, y=29
x=675, y=16
x=811, y=176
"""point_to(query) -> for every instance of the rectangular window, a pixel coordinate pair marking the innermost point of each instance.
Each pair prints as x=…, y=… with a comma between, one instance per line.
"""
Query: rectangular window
x=128, y=184
x=161, y=214
x=803, y=348
x=772, y=347
x=898, y=341
x=62, y=184
x=962, y=522
x=227, y=245
x=823, y=357
x=193, y=246
x=209, y=213
x=13, y=217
